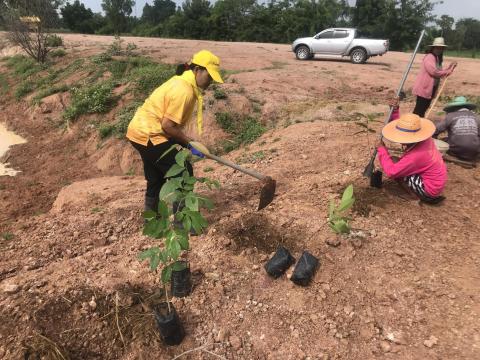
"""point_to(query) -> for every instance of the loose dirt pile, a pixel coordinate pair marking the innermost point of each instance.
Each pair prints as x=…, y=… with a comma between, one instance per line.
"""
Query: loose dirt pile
x=404, y=285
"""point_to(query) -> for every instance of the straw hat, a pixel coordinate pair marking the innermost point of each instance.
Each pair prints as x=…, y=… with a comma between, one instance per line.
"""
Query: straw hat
x=438, y=42
x=408, y=129
x=458, y=103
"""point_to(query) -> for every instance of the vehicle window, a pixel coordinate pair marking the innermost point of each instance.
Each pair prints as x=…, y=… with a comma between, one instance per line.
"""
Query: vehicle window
x=340, y=34
x=326, y=35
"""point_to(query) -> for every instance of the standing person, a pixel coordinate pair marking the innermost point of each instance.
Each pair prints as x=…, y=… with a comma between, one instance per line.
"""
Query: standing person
x=159, y=122
x=421, y=168
x=463, y=127
x=428, y=79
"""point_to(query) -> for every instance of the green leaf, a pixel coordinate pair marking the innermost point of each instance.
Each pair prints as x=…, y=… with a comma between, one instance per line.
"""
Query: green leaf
x=149, y=214
x=205, y=202
x=191, y=202
x=163, y=209
x=179, y=266
x=169, y=150
x=148, y=253
x=154, y=261
x=187, y=224
x=191, y=180
x=181, y=157
x=174, y=248
x=183, y=241
x=169, y=187
x=331, y=209
x=348, y=193
x=166, y=274
x=198, y=222
x=174, y=170
x=341, y=226
x=346, y=204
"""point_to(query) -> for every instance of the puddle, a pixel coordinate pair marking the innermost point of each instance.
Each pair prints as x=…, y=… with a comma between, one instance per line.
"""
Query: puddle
x=7, y=139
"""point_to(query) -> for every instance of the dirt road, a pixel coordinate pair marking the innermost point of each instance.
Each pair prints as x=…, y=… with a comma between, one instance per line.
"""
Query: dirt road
x=404, y=287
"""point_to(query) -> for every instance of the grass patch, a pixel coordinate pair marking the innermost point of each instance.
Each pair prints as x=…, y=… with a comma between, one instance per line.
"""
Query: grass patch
x=7, y=236
x=97, y=98
x=148, y=78
x=119, y=128
x=463, y=53
x=3, y=84
x=276, y=65
x=243, y=128
x=208, y=169
x=219, y=94
x=37, y=99
x=251, y=158
x=23, y=66
x=25, y=87
x=58, y=53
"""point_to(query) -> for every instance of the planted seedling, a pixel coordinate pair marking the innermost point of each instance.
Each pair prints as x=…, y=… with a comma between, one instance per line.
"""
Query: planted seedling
x=337, y=220
x=177, y=215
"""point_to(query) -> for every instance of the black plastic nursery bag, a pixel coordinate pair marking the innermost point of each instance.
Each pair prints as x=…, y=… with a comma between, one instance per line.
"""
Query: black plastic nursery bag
x=305, y=269
x=279, y=262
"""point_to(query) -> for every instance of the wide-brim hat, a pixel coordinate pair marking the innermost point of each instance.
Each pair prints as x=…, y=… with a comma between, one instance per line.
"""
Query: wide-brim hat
x=408, y=129
x=210, y=62
x=459, y=102
x=438, y=42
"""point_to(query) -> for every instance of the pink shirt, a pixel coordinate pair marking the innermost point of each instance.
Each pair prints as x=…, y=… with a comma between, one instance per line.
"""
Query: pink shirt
x=423, y=86
x=423, y=159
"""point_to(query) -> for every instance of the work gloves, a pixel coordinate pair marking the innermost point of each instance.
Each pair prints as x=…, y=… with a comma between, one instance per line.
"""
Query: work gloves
x=197, y=149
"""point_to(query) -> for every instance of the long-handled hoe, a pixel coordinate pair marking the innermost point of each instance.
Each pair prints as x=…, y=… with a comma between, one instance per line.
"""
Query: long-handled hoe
x=371, y=165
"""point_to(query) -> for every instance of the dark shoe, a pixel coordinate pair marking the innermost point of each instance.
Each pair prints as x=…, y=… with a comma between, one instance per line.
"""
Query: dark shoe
x=432, y=201
x=151, y=203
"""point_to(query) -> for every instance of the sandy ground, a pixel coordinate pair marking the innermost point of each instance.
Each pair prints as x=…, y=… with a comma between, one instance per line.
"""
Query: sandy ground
x=404, y=287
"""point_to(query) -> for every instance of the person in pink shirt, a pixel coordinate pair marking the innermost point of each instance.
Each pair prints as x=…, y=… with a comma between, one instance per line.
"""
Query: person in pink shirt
x=428, y=79
x=421, y=167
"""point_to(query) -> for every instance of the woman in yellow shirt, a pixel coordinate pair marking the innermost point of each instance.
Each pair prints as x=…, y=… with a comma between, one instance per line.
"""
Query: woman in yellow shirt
x=159, y=122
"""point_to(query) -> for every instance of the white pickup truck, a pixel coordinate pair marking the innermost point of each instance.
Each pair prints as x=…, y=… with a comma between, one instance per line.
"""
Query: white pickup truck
x=339, y=42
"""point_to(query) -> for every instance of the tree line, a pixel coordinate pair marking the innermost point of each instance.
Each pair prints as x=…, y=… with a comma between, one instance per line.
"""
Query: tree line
x=277, y=21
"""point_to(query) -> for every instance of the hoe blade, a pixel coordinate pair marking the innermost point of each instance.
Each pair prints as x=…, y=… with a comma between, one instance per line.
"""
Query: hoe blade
x=267, y=193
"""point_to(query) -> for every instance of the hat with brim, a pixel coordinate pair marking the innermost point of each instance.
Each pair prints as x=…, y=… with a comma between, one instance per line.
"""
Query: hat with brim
x=408, y=129
x=210, y=62
x=438, y=42
x=459, y=102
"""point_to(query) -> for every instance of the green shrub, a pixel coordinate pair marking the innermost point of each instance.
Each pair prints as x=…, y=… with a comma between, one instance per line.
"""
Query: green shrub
x=58, y=53
x=337, y=220
x=97, y=98
x=49, y=91
x=117, y=68
x=23, y=66
x=245, y=129
x=54, y=41
x=23, y=89
x=105, y=130
x=148, y=78
x=219, y=94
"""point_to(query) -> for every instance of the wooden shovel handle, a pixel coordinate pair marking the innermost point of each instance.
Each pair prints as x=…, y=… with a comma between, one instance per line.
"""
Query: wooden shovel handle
x=235, y=166
x=436, y=98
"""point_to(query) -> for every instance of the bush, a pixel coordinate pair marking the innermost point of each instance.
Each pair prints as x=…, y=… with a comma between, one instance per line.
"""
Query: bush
x=23, y=66
x=94, y=99
x=219, y=94
x=148, y=78
x=23, y=89
x=245, y=129
x=54, y=41
x=119, y=129
x=58, y=53
x=105, y=130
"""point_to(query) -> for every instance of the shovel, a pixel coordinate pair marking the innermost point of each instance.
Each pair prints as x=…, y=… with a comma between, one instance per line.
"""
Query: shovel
x=371, y=164
x=268, y=184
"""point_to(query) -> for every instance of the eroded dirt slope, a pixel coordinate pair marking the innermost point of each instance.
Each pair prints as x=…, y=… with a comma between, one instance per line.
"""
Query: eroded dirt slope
x=404, y=287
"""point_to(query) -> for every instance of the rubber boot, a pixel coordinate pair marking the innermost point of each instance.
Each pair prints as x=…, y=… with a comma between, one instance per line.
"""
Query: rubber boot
x=151, y=203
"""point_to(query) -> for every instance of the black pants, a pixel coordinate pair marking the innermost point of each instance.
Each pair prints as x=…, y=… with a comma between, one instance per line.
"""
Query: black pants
x=155, y=168
x=422, y=104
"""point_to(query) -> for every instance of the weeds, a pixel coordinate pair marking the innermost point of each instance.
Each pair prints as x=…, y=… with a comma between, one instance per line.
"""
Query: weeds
x=7, y=236
x=58, y=53
x=97, y=98
x=25, y=87
x=219, y=94
x=23, y=66
x=37, y=99
x=148, y=78
x=123, y=117
x=245, y=129
x=54, y=41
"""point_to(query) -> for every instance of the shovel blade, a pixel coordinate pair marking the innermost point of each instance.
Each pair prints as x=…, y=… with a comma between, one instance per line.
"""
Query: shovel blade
x=267, y=193
x=371, y=166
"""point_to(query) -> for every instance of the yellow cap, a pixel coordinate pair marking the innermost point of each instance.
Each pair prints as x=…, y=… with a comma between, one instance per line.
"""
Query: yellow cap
x=209, y=61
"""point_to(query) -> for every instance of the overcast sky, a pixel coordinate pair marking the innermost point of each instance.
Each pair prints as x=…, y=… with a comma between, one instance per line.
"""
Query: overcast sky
x=454, y=8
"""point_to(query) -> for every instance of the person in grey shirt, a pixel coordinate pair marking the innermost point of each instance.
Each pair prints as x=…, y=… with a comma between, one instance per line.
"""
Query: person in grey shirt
x=463, y=127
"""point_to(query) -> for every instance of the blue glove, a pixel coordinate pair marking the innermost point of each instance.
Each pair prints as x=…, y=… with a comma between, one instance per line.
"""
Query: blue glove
x=195, y=151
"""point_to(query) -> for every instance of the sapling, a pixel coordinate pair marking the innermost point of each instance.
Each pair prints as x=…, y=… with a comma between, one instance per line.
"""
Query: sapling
x=174, y=227
x=337, y=220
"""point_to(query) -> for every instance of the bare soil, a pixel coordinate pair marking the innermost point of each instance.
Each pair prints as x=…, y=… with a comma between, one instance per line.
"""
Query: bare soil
x=404, y=285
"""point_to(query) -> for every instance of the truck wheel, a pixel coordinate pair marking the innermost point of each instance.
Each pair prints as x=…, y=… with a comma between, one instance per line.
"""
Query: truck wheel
x=358, y=56
x=303, y=53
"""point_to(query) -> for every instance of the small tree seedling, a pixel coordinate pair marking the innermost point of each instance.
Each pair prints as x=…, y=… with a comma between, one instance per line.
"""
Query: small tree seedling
x=337, y=220
x=173, y=228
